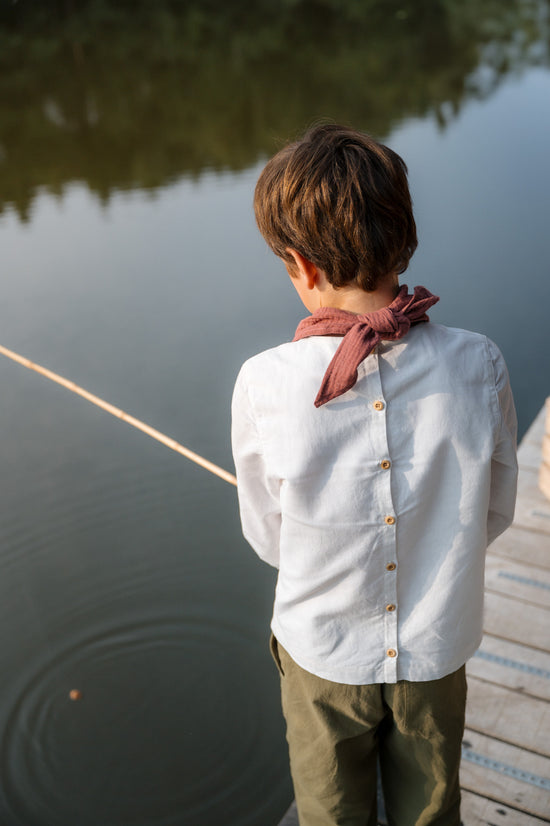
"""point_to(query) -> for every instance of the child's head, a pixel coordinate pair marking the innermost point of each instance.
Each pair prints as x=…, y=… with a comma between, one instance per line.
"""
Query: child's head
x=342, y=201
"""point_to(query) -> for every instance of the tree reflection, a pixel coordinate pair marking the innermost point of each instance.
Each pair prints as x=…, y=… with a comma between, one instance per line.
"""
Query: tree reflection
x=125, y=94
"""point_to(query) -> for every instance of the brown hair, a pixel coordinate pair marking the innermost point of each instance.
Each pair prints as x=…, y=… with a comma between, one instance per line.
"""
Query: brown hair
x=341, y=199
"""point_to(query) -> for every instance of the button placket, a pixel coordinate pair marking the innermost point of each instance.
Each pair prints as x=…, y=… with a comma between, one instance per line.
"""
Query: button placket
x=390, y=637
x=391, y=611
x=388, y=521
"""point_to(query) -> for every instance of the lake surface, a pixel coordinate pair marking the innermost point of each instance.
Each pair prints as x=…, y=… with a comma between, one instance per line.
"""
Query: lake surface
x=129, y=151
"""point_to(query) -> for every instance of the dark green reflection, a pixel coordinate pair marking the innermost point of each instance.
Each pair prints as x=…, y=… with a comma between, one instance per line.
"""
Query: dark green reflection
x=134, y=94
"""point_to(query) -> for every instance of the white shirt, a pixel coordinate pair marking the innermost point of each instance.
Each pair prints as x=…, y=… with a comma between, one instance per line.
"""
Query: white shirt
x=377, y=508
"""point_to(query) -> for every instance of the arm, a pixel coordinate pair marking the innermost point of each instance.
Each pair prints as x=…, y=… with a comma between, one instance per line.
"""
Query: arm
x=258, y=493
x=504, y=467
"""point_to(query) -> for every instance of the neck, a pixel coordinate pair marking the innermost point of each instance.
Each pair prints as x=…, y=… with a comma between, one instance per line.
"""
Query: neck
x=358, y=301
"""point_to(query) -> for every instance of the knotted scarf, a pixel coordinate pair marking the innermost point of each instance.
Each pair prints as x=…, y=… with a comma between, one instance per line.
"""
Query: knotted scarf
x=361, y=334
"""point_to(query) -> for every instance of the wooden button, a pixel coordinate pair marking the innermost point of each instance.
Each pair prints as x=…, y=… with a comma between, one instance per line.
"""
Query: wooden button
x=391, y=652
x=391, y=566
x=390, y=607
x=385, y=464
x=389, y=520
x=378, y=405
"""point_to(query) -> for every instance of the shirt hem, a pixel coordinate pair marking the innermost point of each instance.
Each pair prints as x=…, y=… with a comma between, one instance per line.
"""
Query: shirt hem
x=367, y=675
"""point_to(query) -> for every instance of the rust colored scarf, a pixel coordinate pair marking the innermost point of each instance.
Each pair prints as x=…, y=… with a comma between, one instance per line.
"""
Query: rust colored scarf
x=361, y=333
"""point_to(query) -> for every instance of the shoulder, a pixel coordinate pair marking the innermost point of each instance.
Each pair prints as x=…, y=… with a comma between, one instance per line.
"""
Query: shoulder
x=456, y=342
x=261, y=368
x=469, y=361
x=453, y=334
x=474, y=340
x=287, y=358
x=273, y=355
x=278, y=380
x=260, y=365
x=461, y=361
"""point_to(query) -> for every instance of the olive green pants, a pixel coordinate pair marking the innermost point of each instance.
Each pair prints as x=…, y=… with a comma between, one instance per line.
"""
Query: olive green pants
x=336, y=732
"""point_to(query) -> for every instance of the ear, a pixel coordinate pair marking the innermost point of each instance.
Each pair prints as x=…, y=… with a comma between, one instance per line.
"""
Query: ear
x=303, y=269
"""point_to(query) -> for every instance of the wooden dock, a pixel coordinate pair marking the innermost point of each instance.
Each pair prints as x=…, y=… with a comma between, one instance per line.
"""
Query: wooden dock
x=505, y=771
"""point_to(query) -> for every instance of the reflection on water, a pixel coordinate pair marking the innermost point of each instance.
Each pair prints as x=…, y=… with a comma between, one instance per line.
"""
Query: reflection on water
x=123, y=574
x=93, y=92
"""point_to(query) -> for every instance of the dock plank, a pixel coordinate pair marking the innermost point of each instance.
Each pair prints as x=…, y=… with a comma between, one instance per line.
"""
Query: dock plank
x=517, y=580
x=510, y=619
x=503, y=782
x=532, y=507
x=517, y=667
x=529, y=456
x=523, y=545
x=504, y=714
x=479, y=811
x=536, y=430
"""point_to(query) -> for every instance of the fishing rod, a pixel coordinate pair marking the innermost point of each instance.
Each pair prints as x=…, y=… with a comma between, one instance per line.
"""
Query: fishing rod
x=120, y=414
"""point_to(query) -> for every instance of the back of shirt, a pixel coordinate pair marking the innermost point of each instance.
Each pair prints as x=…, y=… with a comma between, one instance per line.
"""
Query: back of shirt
x=377, y=507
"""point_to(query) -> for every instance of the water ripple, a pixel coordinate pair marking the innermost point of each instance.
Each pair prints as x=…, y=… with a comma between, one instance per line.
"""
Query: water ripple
x=154, y=739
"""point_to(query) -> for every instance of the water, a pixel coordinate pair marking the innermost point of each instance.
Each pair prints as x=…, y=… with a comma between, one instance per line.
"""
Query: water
x=132, y=265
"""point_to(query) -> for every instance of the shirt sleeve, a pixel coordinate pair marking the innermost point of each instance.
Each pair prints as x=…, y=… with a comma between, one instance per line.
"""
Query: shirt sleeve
x=259, y=502
x=504, y=467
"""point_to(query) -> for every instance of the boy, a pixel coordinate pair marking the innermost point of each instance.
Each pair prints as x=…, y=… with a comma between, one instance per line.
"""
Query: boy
x=375, y=459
